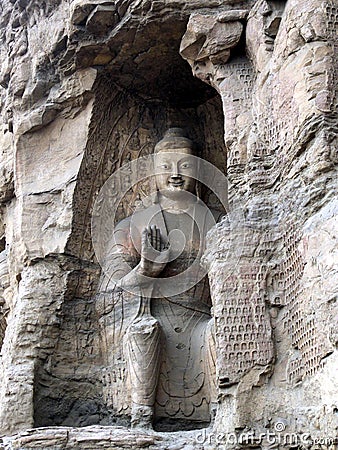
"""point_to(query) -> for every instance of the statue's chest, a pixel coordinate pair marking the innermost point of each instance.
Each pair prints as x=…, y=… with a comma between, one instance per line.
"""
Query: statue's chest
x=184, y=236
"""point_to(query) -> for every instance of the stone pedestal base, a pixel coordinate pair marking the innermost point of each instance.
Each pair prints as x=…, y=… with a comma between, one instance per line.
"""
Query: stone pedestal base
x=101, y=437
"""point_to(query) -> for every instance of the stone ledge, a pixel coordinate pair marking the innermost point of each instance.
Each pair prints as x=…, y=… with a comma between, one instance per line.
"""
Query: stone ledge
x=98, y=437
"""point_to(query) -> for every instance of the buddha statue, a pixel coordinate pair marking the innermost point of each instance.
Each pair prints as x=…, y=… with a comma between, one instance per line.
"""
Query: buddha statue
x=162, y=327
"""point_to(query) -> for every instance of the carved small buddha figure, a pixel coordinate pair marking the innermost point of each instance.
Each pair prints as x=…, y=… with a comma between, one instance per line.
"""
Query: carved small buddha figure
x=168, y=342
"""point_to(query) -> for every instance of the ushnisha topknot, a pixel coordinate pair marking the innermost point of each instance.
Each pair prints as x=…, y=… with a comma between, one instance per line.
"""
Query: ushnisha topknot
x=174, y=138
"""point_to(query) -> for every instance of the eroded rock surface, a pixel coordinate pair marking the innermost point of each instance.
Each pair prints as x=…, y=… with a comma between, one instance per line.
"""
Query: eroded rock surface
x=89, y=85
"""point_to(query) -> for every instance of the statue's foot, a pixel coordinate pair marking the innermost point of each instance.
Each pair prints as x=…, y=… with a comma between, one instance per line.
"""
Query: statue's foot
x=142, y=417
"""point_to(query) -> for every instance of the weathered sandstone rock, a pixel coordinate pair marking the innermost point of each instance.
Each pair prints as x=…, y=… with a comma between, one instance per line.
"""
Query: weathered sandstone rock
x=86, y=86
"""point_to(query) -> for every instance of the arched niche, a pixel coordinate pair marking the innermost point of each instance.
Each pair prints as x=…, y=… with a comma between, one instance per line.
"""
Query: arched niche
x=148, y=89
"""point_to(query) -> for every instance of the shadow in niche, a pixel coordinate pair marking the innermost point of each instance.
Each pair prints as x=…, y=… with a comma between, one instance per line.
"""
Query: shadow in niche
x=167, y=424
x=4, y=283
x=77, y=384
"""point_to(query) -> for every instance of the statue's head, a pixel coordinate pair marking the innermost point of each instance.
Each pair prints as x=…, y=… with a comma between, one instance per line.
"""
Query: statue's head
x=175, y=164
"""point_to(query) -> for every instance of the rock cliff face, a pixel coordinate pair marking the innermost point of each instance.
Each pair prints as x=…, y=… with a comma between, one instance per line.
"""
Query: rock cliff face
x=89, y=85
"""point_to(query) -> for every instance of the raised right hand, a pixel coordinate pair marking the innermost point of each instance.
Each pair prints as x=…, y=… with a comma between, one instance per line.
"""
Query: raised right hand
x=154, y=253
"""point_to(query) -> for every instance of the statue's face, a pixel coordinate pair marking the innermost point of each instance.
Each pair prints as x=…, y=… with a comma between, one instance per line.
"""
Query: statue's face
x=175, y=169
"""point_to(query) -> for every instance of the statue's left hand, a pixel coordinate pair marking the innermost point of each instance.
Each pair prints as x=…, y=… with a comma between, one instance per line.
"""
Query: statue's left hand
x=154, y=252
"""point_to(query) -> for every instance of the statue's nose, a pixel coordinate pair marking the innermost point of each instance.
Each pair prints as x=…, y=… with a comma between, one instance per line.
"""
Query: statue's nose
x=175, y=173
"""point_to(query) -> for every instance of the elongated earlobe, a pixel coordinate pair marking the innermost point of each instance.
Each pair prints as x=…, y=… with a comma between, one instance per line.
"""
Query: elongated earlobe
x=156, y=197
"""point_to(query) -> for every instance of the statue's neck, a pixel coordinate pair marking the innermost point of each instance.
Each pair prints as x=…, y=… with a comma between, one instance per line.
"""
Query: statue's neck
x=176, y=205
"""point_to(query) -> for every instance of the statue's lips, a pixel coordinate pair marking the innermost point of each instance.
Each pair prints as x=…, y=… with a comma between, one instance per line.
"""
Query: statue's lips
x=176, y=183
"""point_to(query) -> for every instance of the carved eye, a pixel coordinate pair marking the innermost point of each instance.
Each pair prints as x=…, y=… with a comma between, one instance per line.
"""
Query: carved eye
x=165, y=166
x=185, y=166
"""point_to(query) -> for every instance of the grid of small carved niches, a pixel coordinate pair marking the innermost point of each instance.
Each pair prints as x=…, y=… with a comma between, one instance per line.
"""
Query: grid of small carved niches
x=332, y=19
x=291, y=269
x=244, y=73
x=310, y=347
x=332, y=26
x=242, y=327
x=296, y=322
x=311, y=350
x=335, y=76
x=273, y=132
x=295, y=370
x=262, y=151
x=265, y=250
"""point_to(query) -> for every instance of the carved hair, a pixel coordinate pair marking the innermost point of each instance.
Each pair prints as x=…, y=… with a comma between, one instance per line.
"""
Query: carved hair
x=174, y=138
